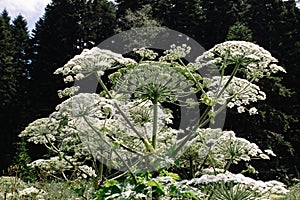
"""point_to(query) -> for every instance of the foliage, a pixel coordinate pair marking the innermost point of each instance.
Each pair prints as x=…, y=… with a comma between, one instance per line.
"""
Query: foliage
x=15, y=188
x=238, y=31
x=139, y=18
x=14, y=51
x=77, y=25
x=9, y=73
x=20, y=163
x=294, y=192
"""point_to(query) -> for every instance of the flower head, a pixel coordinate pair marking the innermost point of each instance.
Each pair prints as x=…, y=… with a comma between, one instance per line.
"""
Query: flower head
x=255, y=62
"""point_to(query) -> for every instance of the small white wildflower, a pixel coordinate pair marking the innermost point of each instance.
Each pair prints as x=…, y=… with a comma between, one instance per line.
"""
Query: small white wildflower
x=79, y=76
x=256, y=61
x=146, y=53
x=68, y=79
x=88, y=171
x=240, y=92
x=59, y=71
x=76, y=68
x=230, y=105
x=67, y=92
x=241, y=109
x=176, y=52
x=28, y=191
x=253, y=111
x=66, y=71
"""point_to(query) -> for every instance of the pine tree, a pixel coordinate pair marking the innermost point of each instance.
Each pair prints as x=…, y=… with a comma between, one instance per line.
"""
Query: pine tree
x=14, y=43
x=239, y=31
x=133, y=5
x=21, y=41
x=183, y=16
x=98, y=24
x=8, y=73
x=66, y=28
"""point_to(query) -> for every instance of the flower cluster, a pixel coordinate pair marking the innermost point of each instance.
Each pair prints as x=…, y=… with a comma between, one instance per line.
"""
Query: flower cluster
x=87, y=171
x=223, y=148
x=87, y=104
x=153, y=80
x=68, y=92
x=255, y=61
x=263, y=189
x=54, y=164
x=176, y=52
x=32, y=192
x=41, y=131
x=91, y=61
x=146, y=53
x=235, y=93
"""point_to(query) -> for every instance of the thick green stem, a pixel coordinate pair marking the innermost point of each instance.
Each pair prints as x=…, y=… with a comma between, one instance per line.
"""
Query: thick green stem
x=120, y=157
x=188, y=137
x=61, y=154
x=229, y=80
x=193, y=77
x=155, y=119
x=101, y=168
x=228, y=164
x=192, y=168
x=148, y=146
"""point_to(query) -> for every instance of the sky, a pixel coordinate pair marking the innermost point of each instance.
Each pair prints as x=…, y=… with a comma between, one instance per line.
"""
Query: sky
x=31, y=10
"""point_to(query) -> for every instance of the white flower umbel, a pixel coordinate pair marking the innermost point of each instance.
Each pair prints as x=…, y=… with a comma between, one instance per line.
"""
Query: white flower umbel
x=222, y=147
x=263, y=189
x=32, y=192
x=254, y=61
x=87, y=171
x=155, y=81
x=176, y=52
x=41, y=131
x=54, y=165
x=67, y=92
x=146, y=53
x=238, y=93
x=91, y=61
x=87, y=104
x=102, y=128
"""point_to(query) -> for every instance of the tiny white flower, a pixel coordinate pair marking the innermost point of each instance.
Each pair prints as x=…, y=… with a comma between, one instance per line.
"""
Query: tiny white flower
x=68, y=79
x=253, y=111
x=241, y=109
x=230, y=105
x=59, y=71
x=79, y=76
x=28, y=191
x=76, y=68
x=66, y=71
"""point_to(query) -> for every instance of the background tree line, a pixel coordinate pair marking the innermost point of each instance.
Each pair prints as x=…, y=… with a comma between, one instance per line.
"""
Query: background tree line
x=27, y=62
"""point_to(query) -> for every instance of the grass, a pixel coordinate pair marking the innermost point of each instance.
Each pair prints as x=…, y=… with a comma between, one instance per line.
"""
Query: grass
x=10, y=188
x=294, y=193
x=77, y=190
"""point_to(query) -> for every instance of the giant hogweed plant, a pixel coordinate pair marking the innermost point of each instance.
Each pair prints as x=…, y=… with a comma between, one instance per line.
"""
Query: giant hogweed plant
x=127, y=138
